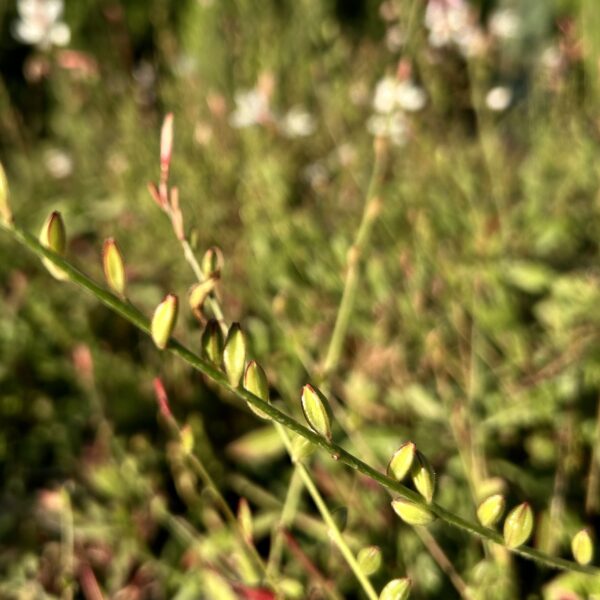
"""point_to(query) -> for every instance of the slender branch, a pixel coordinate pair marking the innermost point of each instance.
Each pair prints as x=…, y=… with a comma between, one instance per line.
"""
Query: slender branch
x=371, y=211
x=134, y=316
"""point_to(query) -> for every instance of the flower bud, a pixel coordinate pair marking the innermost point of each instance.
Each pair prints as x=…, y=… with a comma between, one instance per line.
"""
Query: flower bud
x=212, y=262
x=5, y=212
x=234, y=354
x=423, y=476
x=316, y=411
x=187, y=439
x=244, y=517
x=255, y=381
x=54, y=237
x=518, y=525
x=166, y=146
x=396, y=589
x=369, y=559
x=114, y=269
x=212, y=342
x=198, y=295
x=412, y=513
x=401, y=461
x=582, y=547
x=490, y=510
x=163, y=321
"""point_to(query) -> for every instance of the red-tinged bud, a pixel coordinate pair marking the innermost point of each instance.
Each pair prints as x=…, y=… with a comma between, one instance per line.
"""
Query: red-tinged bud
x=176, y=214
x=161, y=398
x=155, y=193
x=166, y=146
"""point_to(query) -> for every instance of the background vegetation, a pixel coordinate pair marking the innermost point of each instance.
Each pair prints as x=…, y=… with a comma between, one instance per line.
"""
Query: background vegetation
x=474, y=331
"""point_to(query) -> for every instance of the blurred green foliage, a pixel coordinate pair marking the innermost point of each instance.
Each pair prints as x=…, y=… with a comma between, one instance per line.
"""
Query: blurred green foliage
x=474, y=332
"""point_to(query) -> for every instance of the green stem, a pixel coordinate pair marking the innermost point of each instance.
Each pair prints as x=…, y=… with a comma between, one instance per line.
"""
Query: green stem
x=334, y=531
x=135, y=317
x=286, y=518
x=371, y=210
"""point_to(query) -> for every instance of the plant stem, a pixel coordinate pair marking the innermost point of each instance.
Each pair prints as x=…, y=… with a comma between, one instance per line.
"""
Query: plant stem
x=371, y=210
x=135, y=317
x=298, y=467
x=286, y=518
x=334, y=531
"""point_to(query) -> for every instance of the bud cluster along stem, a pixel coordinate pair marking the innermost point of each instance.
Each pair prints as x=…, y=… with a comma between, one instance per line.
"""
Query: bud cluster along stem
x=134, y=316
x=415, y=508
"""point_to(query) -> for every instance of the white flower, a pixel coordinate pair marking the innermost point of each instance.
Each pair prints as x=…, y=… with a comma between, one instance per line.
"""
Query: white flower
x=499, y=98
x=410, y=97
x=451, y=22
x=393, y=126
x=39, y=23
x=505, y=24
x=251, y=108
x=384, y=100
x=58, y=163
x=297, y=123
x=391, y=95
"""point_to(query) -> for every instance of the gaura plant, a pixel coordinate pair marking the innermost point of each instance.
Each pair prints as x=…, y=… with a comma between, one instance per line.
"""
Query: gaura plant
x=225, y=362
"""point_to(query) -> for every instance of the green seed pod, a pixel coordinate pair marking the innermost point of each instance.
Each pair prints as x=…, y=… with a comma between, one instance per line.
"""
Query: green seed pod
x=316, y=411
x=212, y=342
x=369, y=559
x=212, y=262
x=5, y=212
x=518, y=525
x=53, y=236
x=114, y=269
x=234, y=354
x=491, y=509
x=200, y=292
x=163, y=321
x=401, y=461
x=423, y=476
x=187, y=439
x=255, y=381
x=396, y=589
x=244, y=517
x=582, y=547
x=412, y=513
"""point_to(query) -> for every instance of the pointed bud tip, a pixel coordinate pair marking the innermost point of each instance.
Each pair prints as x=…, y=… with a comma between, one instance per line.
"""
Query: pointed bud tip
x=163, y=321
x=316, y=411
x=518, y=525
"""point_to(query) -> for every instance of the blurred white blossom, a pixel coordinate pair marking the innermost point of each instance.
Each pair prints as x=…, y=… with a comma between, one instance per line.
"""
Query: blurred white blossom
x=452, y=22
x=297, y=123
x=58, y=163
x=393, y=98
x=392, y=94
x=251, y=108
x=393, y=126
x=504, y=23
x=40, y=24
x=499, y=98
x=410, y=97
